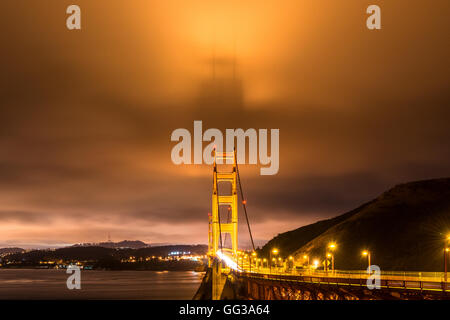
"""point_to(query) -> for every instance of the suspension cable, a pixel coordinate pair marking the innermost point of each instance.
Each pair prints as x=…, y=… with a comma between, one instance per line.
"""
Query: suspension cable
x=218, y=207
x=243, y=200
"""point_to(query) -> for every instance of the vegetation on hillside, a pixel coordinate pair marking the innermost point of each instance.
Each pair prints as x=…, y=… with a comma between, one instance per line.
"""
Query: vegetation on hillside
x=404, y=229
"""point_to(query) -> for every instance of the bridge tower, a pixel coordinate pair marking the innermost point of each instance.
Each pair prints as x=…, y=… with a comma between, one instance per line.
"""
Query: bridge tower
x=216, y=227
x=218, y=200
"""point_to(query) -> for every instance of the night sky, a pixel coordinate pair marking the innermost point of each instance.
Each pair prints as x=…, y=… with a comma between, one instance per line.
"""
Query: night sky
x=86, y=116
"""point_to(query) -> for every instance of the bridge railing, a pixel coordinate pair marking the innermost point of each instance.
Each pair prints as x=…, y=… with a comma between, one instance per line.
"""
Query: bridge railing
x=414, y=274
x=387, y=282
x=397, y=275
x=428, y=281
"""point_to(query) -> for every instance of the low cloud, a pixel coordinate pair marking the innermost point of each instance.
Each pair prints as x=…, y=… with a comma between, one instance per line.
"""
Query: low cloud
x=86, y=118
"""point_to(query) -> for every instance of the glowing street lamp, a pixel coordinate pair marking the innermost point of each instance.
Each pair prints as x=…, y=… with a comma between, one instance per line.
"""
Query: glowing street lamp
x=274, y=252
x=327, y=256
x=446, y=254
x=316, y=263
x=291, y=262
x=332, y=246
x=253, y=256
x=306, y=257
x=366, y=253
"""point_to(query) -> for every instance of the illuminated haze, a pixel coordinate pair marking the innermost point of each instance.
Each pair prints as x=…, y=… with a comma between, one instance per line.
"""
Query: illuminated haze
x=86, y=116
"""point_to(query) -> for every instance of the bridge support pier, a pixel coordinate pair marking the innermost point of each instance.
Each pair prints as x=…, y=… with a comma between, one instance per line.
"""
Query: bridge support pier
x=218, y=280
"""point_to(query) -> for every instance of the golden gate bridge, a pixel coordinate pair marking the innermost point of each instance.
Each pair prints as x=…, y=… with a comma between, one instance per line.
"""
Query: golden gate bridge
x=238, y=274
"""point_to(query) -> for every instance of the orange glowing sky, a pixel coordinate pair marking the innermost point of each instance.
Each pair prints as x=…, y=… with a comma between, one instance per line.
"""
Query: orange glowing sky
x=86, y=116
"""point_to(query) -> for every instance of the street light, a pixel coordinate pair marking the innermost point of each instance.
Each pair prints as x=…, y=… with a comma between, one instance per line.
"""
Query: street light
x=253, y=256
x=328, y=255
x=316, y=263
x=275, y=252
x=306, y=257
x=332, y=246
x=446, y=254
x=367, y=253
x=290, y=263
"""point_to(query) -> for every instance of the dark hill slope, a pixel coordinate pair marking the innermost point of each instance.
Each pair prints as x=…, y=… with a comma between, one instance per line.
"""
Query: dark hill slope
x=289, y=242
x=404, y=228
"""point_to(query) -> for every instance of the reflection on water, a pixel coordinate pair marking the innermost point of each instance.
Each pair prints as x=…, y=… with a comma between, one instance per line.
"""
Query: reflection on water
x=51, y=284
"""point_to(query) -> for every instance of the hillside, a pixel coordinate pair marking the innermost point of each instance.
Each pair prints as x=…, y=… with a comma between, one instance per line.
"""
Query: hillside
x=97, y=253
x=148, y=258
x=5, y=251
x=289, y=242
x=404, y=228
x=131, y=244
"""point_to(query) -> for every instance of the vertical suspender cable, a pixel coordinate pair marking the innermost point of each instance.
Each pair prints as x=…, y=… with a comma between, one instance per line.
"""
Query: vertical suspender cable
x=243, y=200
